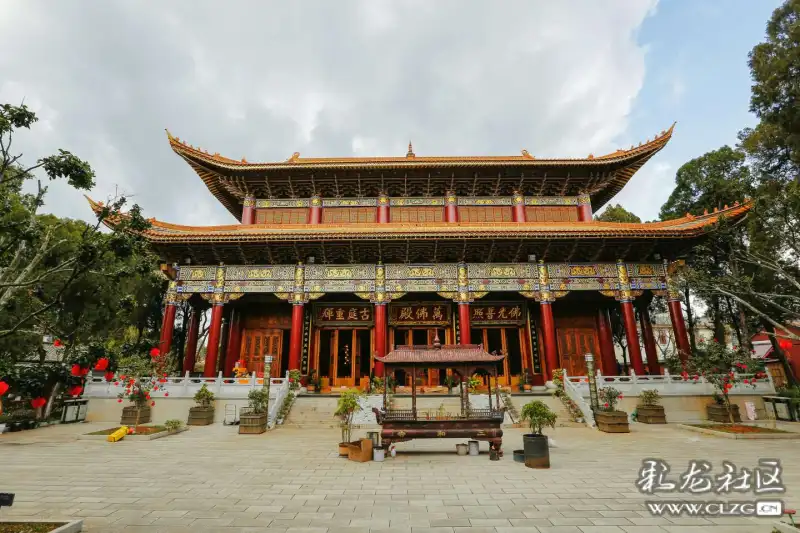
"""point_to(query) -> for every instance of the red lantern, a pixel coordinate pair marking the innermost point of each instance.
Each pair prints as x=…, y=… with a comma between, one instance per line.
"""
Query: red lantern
x=3, y=387
x=101, y=364
x=76, y=370
x=785, y=344
x=75, y=391
x=38, y=402
x=84, y=371
x=109, y=376
x=155, y=352
x=57, y=343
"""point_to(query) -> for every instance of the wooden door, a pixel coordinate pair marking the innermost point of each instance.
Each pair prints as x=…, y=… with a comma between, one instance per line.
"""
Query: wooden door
x=260, y=342
x=573, y=345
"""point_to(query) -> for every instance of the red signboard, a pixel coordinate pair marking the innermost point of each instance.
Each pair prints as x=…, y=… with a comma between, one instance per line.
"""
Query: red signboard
x=419, y=314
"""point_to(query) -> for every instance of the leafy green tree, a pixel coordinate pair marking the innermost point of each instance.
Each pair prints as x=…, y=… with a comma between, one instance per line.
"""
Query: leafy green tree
x=775, y=68
x=617, y=213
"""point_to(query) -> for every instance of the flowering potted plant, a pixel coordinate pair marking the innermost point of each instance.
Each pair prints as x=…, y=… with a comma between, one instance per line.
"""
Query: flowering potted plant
x=608, y=418
x=140, y=379
x=649, y=410
x=294, y=379
x=719, y=366
x=203, y=413
x=536, y=446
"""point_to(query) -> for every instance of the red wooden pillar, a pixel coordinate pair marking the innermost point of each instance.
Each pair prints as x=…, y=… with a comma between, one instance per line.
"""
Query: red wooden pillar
x=380, y=337
x=234, y=342
x=608, y=357
x=296, y=337
x=214, y=333
x=649, y=341
x=248, y=210
x=383, y=210
x=315, y=210
x=450, y=208
x=679, y=329
x=191, y=340
x=518, y=208
x=167, y=328
x=549, y=338
x=632, y=336
x=463, y=323
x=584, y=208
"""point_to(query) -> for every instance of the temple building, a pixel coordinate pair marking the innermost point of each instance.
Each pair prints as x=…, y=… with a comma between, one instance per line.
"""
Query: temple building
x=335, y=260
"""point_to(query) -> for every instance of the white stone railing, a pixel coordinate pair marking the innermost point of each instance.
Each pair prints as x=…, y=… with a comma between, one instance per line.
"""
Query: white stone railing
x=277, y=393
x=668, y=384
x=186, y=387
x=574, y=392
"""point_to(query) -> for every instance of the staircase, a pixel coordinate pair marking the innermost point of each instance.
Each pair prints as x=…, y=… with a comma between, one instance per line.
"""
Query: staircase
x=555, y=405
x=313, y=412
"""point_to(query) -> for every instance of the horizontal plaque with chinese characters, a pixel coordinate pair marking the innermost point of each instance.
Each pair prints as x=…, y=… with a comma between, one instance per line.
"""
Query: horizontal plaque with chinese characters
x=486, y=313
x=345, y=314
x=419, y=314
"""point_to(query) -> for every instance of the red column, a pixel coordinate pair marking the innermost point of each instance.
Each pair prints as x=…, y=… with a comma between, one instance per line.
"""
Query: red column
x=383, y=210
x=649, y=341
x=632, y=336
x=518, y=208
x=380, y=337
x=450, y=208
x=608, y=357
x=248, y=210
x=167, y=327
x=584, y=209
x=463, y=323
x=679, y=329
x=549, y=339
x=296, y=337
x=234, y=342
x=191, y=341
x=315, y=210
x=214, y=333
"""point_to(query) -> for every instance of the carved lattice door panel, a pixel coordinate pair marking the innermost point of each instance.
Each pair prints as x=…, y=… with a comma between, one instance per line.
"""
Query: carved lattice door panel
x=258, y=343
x=573, y=345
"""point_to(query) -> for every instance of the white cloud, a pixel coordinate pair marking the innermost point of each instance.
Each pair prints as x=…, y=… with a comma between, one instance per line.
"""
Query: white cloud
x=264, y=80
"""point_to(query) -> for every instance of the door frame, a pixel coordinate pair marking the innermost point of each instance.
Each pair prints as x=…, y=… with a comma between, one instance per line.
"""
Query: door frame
x=352, y=381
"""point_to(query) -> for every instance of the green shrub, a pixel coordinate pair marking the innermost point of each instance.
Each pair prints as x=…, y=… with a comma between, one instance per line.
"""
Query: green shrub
x=649, y=397
x=538, y=416
x=204, y=397
x=173, y=425
x=258, y=400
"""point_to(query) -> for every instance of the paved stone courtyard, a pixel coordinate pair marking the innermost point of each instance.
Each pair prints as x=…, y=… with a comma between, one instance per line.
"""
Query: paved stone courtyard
x=211, y=479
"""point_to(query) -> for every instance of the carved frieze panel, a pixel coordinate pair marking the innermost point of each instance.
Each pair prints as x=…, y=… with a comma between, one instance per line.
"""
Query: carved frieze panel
x=195, y=273
x=349, y=202
x=195, y=287
x=268, y=203
x=259, y=272
x=415, y=201
x=259, y=286
x=485, y=200
x=552, y=200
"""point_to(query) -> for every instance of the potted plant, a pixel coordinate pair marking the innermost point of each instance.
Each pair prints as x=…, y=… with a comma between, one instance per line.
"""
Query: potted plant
x=608, y=418
x=137, y=392
x=450, y=382
x=253, y=420
x=173, y=426
x=346, y=408
x=650, y=410
x=535, y=444
x=525, y=381
x=719, y=412
x=203, y=413
x=294, y=379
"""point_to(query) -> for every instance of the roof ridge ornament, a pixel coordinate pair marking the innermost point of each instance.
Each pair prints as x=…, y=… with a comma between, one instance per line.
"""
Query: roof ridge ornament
x=295, y=157
x=526, y=154
x=410, y=152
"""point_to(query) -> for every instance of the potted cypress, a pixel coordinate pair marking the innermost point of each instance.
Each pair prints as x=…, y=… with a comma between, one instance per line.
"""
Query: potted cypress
x=253, y=420
x=203, y=413
x=536, y=446
x=608, y=418
x=346, y=409
x=649, y=410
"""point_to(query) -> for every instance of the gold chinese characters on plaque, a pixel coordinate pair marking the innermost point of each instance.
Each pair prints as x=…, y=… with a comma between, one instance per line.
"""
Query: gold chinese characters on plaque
x=345, y=314
x=419, y=314
x=486, y=313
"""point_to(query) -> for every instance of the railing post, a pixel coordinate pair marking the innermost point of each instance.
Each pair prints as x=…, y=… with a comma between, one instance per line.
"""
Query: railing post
x=186, y=380
x=667, y=380
x=219, y=382
x=253, y=381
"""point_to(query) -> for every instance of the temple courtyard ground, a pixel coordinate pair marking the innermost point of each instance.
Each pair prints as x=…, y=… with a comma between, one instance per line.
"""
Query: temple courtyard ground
x=212, y=479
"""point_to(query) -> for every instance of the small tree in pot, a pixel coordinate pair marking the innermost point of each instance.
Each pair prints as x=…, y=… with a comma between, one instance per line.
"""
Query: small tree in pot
x=608, y=418
x=537, y=449
x=346, y=409
x=649, y=410
x=203, y=413
x=254, y=419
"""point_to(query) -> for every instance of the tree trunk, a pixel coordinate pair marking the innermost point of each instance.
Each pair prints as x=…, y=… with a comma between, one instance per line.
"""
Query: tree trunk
x=690, y=319
x=744, y=328
x=776, y=349
x=736, y=326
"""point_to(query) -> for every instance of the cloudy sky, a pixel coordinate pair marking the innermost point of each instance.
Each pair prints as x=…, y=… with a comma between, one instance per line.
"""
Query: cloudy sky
x=265, y=79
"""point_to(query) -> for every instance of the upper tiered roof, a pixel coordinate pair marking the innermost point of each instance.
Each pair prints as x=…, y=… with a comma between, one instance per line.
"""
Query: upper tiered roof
x=601, y=177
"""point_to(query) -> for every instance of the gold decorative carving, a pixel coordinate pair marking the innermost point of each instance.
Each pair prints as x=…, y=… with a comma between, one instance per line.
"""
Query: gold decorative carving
x=582, y=270
x=259, y=273
x=420, y=272
x=338, y=273
x=197, y=273
x=502, y=272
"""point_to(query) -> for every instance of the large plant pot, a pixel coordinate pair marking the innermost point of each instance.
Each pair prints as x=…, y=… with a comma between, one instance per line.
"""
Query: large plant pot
x=252, y=423
x=651, y=414
x=200, y=416
x=719, y=413
x=537, y=451
x=130, y=417
x=344, y=449
x=612, y=421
